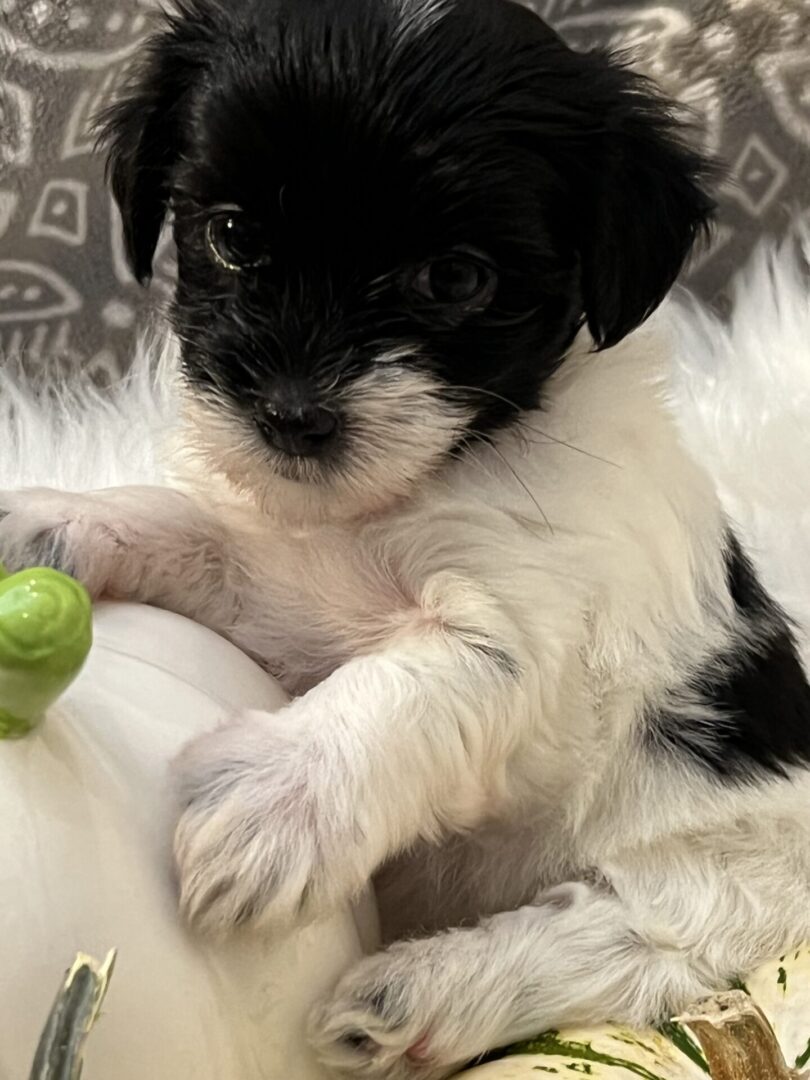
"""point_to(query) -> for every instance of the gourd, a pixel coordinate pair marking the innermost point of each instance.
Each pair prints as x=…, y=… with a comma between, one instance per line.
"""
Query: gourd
x=45, y=636
x=760, y=1031
x=85, y=856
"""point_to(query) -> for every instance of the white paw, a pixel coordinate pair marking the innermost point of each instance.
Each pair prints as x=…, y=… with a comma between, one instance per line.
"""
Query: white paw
x=413, y=1012
x=266, y=835
x=41, y=527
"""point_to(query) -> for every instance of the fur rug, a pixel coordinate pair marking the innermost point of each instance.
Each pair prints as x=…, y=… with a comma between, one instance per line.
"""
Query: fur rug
x=740, y=390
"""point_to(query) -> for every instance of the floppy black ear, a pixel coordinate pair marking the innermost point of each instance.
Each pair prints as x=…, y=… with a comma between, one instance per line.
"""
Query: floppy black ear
x=634, y=188
x=141, y=131
x=644, y=206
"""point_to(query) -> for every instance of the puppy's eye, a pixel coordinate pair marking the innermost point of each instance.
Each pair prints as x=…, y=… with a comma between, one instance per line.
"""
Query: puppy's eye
x=236, y=242
x=458, y=279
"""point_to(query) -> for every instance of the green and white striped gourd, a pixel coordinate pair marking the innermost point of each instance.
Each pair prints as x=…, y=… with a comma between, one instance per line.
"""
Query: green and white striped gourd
x=781, y=989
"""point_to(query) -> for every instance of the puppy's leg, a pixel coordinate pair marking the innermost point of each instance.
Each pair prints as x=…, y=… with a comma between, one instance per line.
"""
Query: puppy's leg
x=149, y=544
x=679, y=920
x=292, y=814
x=423, y=1008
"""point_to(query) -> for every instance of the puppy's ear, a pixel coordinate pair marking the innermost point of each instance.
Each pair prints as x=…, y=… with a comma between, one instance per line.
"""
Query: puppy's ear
x=635, y=190
x=644, y=204
x=141, y=132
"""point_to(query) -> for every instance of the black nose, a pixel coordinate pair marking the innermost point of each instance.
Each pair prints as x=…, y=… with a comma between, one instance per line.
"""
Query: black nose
x=303, y=431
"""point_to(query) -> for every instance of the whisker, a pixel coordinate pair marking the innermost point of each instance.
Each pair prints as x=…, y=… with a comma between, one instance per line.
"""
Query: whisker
x=524, y=485
x=465, y=453
x=488, y=442
x=536, y=430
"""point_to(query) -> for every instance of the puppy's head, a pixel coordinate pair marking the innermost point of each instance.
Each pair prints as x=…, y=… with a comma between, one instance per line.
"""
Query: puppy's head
x=392, y=217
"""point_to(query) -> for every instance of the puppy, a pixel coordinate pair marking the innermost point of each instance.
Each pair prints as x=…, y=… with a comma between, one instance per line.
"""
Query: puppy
x=432, y=485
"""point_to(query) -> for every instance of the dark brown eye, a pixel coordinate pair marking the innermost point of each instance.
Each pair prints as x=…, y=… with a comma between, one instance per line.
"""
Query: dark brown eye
x=457, y=280
x=236, y=242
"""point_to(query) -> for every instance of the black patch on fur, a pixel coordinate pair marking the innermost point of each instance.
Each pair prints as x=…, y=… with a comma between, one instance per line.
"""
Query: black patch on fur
x=759, y=692
x=359, y=1040
x=48, y=548
x=500, y=658
x=388, y=1002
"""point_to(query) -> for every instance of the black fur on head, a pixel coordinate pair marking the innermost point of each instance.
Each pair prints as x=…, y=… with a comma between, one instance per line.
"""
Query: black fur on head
x=439, y=191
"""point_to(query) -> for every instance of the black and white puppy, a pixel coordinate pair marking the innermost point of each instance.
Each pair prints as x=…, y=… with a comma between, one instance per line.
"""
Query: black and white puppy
x=539, y=690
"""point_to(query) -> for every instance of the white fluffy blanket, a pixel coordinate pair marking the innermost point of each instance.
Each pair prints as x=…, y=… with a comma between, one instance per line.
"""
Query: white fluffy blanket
x=741, y=391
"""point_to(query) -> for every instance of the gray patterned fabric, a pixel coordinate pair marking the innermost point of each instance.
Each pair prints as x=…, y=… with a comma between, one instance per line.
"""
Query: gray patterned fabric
x=743, y=68
x=65, y=294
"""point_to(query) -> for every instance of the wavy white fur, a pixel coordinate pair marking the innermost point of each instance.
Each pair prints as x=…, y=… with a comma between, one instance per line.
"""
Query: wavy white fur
x=73, y=435
x=741, y=392
x=472, y=666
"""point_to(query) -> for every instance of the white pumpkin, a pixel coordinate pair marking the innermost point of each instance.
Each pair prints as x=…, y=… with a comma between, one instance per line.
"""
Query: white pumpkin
x=781, y=989
x=85, y=866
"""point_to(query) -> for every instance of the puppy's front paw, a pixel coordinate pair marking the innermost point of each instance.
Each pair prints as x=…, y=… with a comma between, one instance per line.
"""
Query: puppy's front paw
x=413, y=1012
x=265, y=836
x=41, y=527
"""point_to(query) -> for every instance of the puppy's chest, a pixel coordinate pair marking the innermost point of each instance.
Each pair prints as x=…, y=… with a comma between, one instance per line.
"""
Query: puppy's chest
x=320, y=602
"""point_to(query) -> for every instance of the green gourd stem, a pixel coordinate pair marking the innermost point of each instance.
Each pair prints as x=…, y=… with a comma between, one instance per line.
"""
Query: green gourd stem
x=59, y=1055
x=45, y=637
x=736, y=1038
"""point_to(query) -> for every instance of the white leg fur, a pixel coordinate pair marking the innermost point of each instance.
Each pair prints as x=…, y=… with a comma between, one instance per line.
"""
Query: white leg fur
x=425, y=1007
x=671, y=925
x=288, y=816
x=151, y=544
